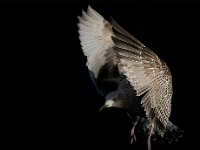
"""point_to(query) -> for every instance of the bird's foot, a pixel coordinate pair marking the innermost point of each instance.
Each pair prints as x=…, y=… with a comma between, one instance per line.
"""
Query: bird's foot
x=133, y=137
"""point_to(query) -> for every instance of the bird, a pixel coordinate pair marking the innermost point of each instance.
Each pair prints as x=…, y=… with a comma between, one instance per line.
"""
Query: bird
x=127, y=74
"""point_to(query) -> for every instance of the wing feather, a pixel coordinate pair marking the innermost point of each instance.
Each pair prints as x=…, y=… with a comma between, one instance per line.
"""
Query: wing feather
x=95, y=36
x=118, y=28
x=147, y=74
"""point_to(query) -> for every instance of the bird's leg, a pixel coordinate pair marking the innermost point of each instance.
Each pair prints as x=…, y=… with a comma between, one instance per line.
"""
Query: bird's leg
x=133, y=137
x=149, y=137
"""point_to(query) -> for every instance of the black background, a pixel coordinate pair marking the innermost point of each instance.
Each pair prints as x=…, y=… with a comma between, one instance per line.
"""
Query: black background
x=49, y=96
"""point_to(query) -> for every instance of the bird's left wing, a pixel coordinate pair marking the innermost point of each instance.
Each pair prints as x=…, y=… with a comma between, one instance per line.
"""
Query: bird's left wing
x=95, y=35
x=147, y=74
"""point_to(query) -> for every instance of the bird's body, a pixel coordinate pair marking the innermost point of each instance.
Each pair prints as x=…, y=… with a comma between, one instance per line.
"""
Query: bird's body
x=122, y=69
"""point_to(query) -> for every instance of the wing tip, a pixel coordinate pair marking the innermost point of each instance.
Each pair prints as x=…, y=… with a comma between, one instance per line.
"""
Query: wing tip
x=89, y=7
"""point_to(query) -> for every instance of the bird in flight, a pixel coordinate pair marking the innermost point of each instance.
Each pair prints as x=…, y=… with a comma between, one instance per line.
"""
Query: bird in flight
x=123, y=69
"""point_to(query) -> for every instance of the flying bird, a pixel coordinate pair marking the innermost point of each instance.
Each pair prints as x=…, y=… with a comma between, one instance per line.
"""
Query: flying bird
x=123, y=69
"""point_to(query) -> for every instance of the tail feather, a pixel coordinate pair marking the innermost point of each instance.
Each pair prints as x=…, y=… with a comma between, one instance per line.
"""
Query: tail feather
x=172, y=133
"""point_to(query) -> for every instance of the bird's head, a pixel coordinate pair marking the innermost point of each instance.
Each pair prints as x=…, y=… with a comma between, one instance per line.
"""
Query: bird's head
x=111, y=103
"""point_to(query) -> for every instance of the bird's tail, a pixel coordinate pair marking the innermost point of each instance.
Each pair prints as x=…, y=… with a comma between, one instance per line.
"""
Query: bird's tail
x=172, y=133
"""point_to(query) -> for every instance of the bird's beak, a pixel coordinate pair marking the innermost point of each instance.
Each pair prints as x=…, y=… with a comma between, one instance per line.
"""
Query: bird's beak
x=102, y=107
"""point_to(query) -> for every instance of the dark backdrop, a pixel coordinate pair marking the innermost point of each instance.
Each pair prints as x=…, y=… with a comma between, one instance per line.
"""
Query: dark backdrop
x=54, y=101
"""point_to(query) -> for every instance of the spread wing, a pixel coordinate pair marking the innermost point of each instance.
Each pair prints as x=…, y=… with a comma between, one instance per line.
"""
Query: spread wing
x=142, y=67
x=95, y=36
x=147, y=74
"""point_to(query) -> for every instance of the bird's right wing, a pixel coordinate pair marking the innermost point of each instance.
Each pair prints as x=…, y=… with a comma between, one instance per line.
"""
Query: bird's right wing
x=95, y=35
